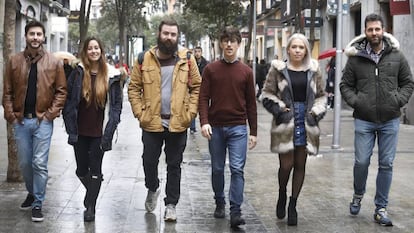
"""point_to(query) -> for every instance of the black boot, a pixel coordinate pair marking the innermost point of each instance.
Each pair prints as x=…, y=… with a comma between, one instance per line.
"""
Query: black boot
x=281, y=205
x=85, y=180
x=292, y=214
x=93, y=192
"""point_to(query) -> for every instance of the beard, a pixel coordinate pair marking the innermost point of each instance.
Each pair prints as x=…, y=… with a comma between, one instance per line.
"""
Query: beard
x=29, y=44
x=167, y=46
x=375, y=41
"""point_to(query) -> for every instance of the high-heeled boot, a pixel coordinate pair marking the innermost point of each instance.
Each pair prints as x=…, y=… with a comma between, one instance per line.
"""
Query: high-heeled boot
x=292, y=214
x=85, y=180
x=281, y=205
x=93, y=192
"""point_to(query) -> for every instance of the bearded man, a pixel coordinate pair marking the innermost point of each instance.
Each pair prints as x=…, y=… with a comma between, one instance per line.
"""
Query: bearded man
x=163, y=93
x=376, y=82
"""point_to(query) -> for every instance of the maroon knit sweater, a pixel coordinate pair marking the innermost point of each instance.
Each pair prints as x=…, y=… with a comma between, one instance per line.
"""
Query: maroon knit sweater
x=227, y=96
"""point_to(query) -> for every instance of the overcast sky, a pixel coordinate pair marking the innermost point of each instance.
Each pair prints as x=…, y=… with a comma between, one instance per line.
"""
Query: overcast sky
x=75, y=4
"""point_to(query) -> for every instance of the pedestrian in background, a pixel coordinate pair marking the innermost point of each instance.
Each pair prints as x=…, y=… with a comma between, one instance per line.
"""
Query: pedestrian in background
x=201, y=63
x=94, y=88
x=330, y=82
x=163, y=93
x=376, y=82
x=294, y=94
x=261, y=72
x=33, y=96
x=227, y=105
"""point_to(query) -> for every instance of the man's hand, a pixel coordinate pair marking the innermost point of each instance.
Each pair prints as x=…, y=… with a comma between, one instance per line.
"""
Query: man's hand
x=206, y=131
x=252, y=142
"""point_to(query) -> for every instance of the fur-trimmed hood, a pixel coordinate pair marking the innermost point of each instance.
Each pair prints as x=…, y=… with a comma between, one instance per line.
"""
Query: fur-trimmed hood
x=281, y=65
x=358, y=43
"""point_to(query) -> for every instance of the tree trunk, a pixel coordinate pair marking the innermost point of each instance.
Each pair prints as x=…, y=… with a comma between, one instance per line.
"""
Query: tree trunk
x=13, y=171
x=121, y=6
x=83, y=23
x=249, y=40
x=312, y=26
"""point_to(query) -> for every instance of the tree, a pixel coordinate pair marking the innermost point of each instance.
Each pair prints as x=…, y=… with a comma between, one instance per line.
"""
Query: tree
x=129, y=16
x=249, y=40
x=13, y=171
x=83, y=22
x=215, y=15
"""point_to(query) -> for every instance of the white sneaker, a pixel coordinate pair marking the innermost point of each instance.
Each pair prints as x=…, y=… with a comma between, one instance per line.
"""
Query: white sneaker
x=170, y=215
x=152, y=199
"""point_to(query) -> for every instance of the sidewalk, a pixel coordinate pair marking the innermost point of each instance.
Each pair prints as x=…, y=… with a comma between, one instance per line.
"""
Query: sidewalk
x=322, y=205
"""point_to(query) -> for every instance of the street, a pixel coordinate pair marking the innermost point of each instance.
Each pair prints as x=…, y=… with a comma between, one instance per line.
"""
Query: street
x=323, y=205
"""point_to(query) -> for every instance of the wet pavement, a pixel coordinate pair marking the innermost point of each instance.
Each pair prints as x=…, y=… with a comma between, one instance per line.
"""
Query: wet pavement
x=322, y=204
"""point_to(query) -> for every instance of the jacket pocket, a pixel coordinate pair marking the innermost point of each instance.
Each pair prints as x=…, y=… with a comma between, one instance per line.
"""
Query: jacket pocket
x=146, y=116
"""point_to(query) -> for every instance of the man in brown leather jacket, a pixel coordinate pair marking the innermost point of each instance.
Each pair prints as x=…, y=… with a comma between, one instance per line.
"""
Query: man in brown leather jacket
x=34, y=94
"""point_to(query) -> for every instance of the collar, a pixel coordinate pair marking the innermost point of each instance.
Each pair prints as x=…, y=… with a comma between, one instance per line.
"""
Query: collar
x=230, y=62
x=34, y=59
x=369, y=49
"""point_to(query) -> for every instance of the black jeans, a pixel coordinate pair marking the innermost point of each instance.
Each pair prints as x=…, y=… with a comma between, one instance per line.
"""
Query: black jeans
x=88, y=155
x=175, y=144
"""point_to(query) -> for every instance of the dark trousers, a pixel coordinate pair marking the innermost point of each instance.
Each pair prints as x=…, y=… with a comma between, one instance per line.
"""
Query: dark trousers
x=88, y=155
x=174, y=147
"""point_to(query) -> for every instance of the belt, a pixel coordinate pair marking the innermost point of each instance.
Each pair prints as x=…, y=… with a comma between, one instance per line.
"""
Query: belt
x=165, y=116
x=29, y=115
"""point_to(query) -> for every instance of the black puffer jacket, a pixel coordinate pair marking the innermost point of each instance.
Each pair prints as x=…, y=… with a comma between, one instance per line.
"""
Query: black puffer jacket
x=376, y=91
x=70, y=111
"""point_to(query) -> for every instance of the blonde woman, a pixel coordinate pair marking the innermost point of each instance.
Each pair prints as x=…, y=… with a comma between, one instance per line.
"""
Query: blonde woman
x=293, y=92
x=91, y=88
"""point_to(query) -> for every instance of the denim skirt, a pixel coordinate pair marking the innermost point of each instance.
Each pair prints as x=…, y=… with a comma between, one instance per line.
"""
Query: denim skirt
x=299, y=137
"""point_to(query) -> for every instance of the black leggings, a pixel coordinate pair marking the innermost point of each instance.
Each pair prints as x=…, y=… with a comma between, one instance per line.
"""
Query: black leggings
x=88, y=156
x=295, y=160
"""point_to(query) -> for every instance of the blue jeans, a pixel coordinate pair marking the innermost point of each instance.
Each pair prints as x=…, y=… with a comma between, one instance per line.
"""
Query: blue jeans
x=234, y=139
x=365, y=135
x=193, y=125
x=33, y=143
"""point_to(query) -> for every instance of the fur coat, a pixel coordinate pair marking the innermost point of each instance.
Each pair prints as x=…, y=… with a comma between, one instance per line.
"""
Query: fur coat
x=277, y=95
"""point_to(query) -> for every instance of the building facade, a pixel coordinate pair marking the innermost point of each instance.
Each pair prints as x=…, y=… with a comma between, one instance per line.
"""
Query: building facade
x=53, y=14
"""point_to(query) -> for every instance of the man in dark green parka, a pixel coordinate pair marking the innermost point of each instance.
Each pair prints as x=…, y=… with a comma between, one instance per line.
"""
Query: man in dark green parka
x=376, y=83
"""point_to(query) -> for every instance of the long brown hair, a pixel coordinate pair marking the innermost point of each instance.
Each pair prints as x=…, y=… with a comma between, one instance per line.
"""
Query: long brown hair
x=101, y=82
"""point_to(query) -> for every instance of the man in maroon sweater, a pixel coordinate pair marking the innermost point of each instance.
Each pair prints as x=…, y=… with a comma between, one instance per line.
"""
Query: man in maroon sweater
x=227, y=99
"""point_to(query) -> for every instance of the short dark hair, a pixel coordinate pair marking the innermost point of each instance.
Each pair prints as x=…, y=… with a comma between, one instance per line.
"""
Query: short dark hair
x=170, y=22
x=198, y=47
x=374, y=17
x=230, y=33
x=32, y=24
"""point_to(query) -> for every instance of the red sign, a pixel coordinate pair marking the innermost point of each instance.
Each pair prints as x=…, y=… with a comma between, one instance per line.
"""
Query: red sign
x=399, y=7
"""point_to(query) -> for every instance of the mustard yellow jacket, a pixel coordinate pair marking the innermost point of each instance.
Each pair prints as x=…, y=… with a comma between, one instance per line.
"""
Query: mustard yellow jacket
x=144, y=92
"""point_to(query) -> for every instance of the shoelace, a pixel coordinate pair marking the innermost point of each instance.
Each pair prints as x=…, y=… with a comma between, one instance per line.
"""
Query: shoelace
x=356, y=201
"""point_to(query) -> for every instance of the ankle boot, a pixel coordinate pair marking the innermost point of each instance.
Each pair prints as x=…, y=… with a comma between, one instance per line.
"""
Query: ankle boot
x=281, y=205
x=85, y=180
x=93, y=192
x=292, y=214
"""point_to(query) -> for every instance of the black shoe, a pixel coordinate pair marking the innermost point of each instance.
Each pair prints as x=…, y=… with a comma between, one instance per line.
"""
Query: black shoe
x=292, y=214
x=236, y=220
x=89, y=214
x=27, y=204
x=220, y=211
x=281, y=205
x=355, y=205
x=37, y=215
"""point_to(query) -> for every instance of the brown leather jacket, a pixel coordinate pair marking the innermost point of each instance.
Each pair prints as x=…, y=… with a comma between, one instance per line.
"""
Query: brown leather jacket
x=51, y=86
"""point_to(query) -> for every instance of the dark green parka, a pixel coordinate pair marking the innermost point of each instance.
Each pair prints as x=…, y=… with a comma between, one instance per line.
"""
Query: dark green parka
x=376, y=91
